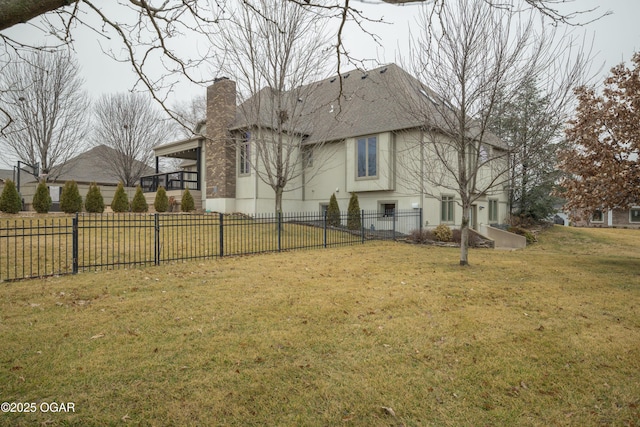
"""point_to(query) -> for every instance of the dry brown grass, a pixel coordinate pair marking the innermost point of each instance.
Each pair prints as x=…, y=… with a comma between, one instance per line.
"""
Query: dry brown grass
x=544, y=336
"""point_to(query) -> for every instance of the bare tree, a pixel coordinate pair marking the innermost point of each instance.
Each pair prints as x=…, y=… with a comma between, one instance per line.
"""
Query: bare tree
x=131, y=126
x=191, y=114
x=44, y=97
x=471, y=55
x=150, y=32
x=272, y=50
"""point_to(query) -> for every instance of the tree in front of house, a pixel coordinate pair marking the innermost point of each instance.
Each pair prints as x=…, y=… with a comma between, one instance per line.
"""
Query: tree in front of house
x=602, y=161
x=161, y=202
x=70, y=199
x=354, y=220
x=10, y=198
x=42, y=199
x=187, y=204
x=274, y=49
x=470, y=53
x=94, y=202
x=120, y=202
x=139, y=202
x=333, y=212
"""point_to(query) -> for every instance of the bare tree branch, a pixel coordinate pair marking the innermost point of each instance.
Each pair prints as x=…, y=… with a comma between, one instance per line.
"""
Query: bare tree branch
x=44, y=98
x=131, y=126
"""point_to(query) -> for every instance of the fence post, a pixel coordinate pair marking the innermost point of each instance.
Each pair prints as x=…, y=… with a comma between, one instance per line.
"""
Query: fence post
x=324, y=230
x=279, y=231
x=74, y=240
x=394, y=218
x=362, y=224
x=221, y=239
x=156, y=238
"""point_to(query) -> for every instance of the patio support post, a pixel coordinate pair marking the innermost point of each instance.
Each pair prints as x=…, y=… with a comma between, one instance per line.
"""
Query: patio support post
x=199, y=167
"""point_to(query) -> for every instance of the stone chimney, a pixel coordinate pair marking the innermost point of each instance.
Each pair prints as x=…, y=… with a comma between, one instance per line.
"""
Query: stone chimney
x=220, y=146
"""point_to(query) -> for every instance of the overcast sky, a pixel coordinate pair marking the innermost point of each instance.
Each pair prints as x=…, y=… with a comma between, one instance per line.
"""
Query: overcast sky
x=615, y=37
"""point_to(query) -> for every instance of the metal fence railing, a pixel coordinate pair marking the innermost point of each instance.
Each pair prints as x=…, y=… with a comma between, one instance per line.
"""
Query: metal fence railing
x=41, y=246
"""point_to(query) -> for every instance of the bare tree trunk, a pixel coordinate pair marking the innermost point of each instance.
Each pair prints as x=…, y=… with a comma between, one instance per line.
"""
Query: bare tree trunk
x=464, y=235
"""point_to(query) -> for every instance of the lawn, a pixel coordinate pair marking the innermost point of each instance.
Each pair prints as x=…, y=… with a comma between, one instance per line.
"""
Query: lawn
x=381, y=334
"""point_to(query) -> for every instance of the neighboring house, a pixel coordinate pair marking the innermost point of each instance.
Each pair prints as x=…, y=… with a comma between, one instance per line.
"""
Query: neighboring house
x=84, y=169
x=623, y=218
x=5, y=175
x=90, y=167
x=358, y=136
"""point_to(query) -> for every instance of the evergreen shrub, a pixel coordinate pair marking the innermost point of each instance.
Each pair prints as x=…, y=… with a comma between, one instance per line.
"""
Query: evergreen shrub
x=10, y=198
x=70, y=199
x=120, y=202
x=42, y=200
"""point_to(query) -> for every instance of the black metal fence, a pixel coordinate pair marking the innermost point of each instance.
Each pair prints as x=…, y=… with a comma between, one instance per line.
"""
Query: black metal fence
x=47, y=246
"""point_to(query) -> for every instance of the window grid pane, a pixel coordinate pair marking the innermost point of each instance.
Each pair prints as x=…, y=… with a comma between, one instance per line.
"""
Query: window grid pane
x=372, y=157
x=362, y=158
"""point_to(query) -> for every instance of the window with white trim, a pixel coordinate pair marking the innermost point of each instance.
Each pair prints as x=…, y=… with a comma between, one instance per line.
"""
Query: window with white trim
x=597, y=216
x=244, y=155
x=447, y=209
x=493, y=210
x=388, y=209
x=367, y=157
x=634, y=215
x=307, y=156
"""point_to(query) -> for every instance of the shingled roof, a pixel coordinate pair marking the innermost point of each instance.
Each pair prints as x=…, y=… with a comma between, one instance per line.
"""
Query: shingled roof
x=353, y=104
x=89, y=167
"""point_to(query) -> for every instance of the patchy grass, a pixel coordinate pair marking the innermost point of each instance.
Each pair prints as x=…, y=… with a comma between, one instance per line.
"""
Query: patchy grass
x=544, y=336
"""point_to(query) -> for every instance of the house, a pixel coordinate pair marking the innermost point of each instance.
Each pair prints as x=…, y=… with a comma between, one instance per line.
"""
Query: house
x=353, y=133
x=619, y=217
x=5, y=175
x=85, y=168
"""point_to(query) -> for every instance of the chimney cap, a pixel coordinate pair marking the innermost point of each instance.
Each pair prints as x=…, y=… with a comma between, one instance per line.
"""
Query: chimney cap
x=218, y=79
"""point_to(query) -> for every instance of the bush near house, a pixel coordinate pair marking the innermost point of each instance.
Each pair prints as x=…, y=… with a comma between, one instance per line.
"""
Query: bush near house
x=139, y=202
x=187, y=204
x=531, y=238
x=10, y=198
x=354, y=222
x=70, y=199
x=120, y=202
x=333, y=212
x=42, y=200
x=161, y=202
x=443, y=233
x=94, y=202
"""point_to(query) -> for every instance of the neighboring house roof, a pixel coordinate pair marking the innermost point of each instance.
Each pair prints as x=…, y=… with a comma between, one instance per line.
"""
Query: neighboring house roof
x=6, y=174
x=353, y=104
x=90, y=167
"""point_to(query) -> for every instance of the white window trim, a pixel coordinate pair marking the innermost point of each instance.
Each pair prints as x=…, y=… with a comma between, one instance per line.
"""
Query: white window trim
x=633, y=208
x=597, y=221
x=453, y=209
x=381, y=209
x=366, y=139
x=244, y=144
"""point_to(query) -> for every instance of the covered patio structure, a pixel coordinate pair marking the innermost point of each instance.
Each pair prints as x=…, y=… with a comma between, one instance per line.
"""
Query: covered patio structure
x=189, y=176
